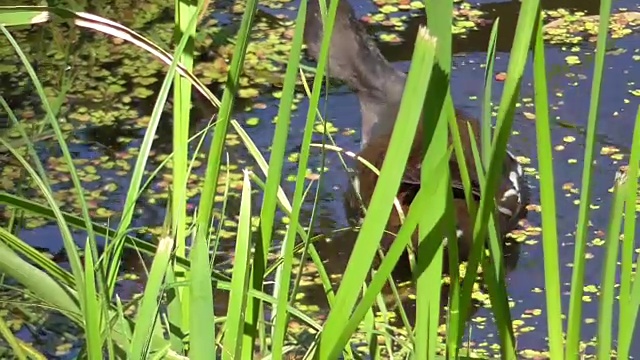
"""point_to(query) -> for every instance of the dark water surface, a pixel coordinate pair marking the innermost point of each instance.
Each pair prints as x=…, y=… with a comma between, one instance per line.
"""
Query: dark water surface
x=569, y=88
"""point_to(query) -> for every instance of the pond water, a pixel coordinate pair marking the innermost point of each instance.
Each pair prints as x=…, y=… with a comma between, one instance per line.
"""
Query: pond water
x=569, y=88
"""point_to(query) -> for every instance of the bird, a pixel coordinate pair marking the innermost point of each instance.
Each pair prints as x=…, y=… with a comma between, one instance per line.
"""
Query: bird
x=355, y=59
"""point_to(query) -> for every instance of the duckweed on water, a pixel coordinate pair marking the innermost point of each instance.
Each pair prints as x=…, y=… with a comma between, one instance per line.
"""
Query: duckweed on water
x=565, y=26
x=392, y=14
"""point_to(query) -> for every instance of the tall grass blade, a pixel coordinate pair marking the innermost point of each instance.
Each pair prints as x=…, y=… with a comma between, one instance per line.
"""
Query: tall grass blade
x=384, y=194
x=629, y=284
x=197, y=310
x=146, y=318
x=547, y=198
x=240, y=279
x=519, y=53
x=486, y=138
x=186, y=13
x=93, y=315
x=577, y=276
x=493, y=266
x=276, y=162
x=140, y=165
x=69, y=244
x=417, y=211
x=435, y=134
x=608, y=282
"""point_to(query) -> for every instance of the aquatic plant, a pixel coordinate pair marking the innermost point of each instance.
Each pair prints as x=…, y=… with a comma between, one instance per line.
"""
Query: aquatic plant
x=175, y=318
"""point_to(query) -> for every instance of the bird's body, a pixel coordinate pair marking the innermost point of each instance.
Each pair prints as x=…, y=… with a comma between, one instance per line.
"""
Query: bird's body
x=355, y=59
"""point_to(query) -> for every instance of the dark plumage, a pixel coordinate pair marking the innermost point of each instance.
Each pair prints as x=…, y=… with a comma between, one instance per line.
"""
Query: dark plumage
x=355, y=59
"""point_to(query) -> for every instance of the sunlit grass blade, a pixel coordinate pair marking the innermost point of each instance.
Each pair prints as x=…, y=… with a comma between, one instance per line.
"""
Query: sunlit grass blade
x=185, y=17
x=454, y=325
x=238, y=297
x=146, y=319
x=10, y=338
x=10, y=18
x=38, y=282
x=629, y=284
x=214, y=160
x=78, y=223
x=547, y=199
x=486, y=138
x=313, y=103
x=93, y=315
x=425, y=199
x=384, y=193
x=577, y=277
x=609, y=267
x=281, y=133
x=274, y=176
x=519, y=54
x=140, y=164
x=197, y=310
x=493, y=265
x=435, y=135
x=69, y=244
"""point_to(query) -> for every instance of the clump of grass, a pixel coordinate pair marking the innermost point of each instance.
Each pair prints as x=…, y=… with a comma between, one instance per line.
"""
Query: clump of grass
x=175, y=318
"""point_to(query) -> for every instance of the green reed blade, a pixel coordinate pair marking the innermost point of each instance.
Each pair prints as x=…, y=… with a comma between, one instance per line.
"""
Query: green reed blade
x=494, y=269
x=629, y=284
x=436, y=135
x=547, y=198
x=274, y=176
x=609, y=268
x=518, y=57
x=382, y=199
x=94, y=314
x=577, y=276
x=233, y=338
x=146, y=323
x=185, y=14
x=486, y=138
x=68, y=241
x=425, y=202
